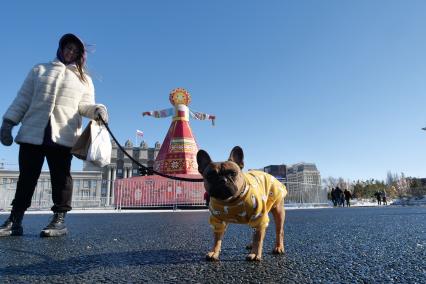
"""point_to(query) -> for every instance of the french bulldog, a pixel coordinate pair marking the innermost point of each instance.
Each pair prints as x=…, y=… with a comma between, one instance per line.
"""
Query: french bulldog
x=242, y=198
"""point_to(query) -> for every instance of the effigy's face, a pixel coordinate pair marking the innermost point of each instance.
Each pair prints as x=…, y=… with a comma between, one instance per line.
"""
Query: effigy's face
x=180, y=96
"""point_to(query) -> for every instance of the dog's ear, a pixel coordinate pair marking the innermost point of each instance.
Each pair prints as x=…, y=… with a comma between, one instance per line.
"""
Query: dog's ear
x=237, y=156
x=203, y=160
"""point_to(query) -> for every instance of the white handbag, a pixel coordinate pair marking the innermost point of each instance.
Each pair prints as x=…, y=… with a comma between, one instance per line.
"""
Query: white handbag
x=100, y=147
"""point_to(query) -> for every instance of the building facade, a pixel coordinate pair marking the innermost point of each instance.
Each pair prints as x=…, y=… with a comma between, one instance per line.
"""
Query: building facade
x=278, y=171
x=304, y=184
x=93, y=183
x=86, y=189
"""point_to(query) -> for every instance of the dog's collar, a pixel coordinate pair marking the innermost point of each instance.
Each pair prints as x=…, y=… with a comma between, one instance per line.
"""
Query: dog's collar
x=246, y=188
x=228, y=199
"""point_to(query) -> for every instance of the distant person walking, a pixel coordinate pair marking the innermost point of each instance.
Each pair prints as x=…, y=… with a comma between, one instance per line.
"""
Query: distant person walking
x=384, y=198
x=348, y=197
x=333, y=196
x=339, y=196
x=342, y=198
x=49, y=106
x=378, y=196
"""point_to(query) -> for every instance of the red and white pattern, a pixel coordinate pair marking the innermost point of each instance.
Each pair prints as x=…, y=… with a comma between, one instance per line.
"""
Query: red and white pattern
x=177, y=154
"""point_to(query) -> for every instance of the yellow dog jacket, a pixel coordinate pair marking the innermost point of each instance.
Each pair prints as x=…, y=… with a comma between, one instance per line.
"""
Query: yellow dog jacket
x=261, y=193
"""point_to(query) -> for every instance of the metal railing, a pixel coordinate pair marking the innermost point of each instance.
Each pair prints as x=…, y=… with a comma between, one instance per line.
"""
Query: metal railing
x=158, y=193
x=83, y=198
x=154, y=193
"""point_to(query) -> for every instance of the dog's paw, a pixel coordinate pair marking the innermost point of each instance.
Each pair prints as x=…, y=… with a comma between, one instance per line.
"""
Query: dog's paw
x=278, y=250
x=253, y=257
x=212, y=256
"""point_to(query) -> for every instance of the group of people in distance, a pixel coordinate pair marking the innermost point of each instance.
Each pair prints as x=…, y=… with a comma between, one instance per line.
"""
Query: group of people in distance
x=381, y=197
x=339, y=197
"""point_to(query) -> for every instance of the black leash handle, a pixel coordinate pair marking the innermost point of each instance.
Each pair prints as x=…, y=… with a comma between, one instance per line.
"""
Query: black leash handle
x=146, y=170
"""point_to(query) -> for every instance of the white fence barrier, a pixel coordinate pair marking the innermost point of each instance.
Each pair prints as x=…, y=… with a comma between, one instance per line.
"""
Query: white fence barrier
x=126, y=193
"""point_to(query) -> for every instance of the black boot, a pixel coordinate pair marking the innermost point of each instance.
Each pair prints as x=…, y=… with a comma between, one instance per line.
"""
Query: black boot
x=13, y=225
x=56, y=227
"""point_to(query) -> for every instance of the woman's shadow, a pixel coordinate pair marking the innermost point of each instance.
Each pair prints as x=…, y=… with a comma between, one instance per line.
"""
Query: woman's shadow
x=49, y=266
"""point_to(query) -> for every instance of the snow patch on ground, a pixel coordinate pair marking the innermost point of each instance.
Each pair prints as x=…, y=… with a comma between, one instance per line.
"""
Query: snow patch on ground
x=411, y=201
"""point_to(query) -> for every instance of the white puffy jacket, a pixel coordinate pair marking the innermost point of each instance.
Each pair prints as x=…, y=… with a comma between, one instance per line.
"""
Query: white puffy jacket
x=53, y=91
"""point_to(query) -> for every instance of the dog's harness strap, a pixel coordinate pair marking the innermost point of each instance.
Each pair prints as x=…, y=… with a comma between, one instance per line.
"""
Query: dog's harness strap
x=144, y=169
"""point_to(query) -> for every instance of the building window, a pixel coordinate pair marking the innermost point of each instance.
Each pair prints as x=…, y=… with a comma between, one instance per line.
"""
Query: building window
x=85, y=193
x=86, y=184
x=45, y=183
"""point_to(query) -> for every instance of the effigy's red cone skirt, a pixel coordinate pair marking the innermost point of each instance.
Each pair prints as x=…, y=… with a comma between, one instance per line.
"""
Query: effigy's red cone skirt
x=178, y=153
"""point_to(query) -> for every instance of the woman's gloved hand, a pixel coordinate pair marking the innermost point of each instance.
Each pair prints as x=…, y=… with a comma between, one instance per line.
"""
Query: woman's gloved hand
x=101, y=111
x=6, y=137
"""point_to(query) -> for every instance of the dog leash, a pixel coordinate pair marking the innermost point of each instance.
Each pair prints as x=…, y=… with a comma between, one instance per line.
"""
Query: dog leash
x=143, y=170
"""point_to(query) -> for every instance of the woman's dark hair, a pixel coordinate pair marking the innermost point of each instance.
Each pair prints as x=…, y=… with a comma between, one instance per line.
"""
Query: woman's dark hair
x=81, y=67
x=80, y=60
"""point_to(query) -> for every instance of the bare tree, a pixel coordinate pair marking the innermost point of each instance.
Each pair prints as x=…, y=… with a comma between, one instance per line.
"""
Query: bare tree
x=402, y=185
x=390, y=179
x=330, y=182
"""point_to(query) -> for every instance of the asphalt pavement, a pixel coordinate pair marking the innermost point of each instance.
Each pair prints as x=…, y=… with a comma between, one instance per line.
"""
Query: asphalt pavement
x=334, y=245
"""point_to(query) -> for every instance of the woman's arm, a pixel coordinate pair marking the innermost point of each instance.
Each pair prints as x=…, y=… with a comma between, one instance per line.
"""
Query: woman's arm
x=22, y=101
x=87, y=106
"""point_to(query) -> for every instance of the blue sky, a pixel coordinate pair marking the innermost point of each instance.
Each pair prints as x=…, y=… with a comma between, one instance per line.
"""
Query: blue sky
x=338, y=83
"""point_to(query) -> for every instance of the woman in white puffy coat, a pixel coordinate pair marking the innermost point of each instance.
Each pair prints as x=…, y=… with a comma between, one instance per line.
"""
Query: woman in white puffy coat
x=50, y=105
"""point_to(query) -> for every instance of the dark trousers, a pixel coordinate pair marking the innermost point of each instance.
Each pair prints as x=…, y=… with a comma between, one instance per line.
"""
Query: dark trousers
x=31, y=159
x=348, y=202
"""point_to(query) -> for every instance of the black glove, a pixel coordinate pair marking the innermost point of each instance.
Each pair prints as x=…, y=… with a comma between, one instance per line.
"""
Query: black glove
x=6, y=132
